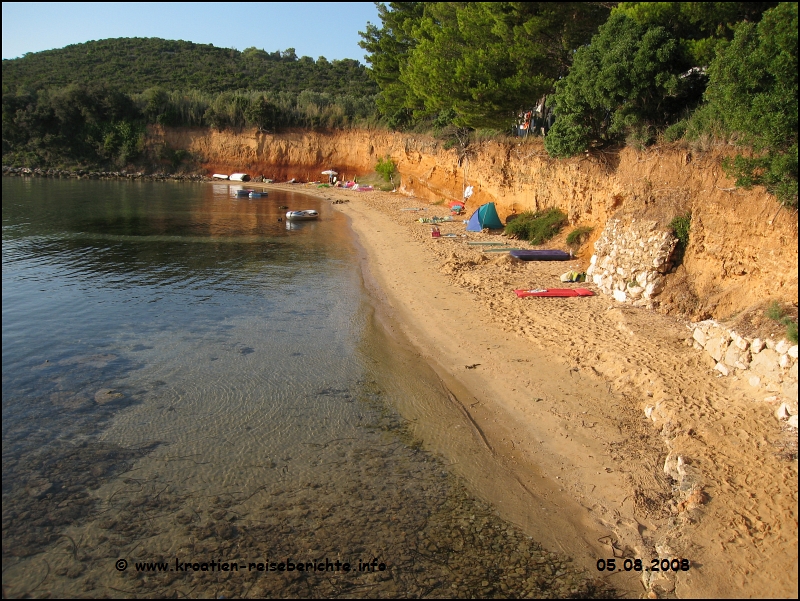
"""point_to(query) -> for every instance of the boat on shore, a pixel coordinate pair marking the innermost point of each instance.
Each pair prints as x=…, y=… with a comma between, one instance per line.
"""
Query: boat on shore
x=308, y=215
x=248, y=192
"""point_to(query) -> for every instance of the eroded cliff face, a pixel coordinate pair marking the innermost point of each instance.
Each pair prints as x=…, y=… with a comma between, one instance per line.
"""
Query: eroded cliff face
x=742, y=249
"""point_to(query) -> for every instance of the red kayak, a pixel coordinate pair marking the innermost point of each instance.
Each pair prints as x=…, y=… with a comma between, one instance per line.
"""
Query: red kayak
x=555, y=292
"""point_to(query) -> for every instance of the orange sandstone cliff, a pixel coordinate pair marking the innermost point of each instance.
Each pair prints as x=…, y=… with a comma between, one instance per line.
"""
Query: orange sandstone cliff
x=743, y=246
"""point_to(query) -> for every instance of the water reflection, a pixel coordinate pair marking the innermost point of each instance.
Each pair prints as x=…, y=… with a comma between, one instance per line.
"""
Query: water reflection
x=187, y=380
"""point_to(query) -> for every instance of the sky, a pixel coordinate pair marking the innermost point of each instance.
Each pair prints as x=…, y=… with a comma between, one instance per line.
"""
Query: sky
x=314, y=29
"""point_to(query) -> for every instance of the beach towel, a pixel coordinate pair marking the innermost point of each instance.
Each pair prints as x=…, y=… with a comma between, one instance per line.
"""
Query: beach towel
x=554, y=292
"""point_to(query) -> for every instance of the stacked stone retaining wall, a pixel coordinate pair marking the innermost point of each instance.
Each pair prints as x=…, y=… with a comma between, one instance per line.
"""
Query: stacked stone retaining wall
x=630, y=264
x=766, y=365
x=630, y=261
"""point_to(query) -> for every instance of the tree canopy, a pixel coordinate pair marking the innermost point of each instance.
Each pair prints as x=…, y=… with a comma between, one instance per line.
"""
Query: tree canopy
x=626, y=80
x=608, y=72
x=479, y=61
x=133, y=65
x=752, y=93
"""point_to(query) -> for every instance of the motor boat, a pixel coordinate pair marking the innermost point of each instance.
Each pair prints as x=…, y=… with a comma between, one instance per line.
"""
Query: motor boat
x=308, y=215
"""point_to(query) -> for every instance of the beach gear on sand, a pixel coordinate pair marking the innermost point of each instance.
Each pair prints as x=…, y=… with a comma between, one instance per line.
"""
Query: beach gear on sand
x=541, y=255
x=456, y=207
x=554, y=292
x=573, y=276
x=485, y=216
x=435, y=219
x=498, y=250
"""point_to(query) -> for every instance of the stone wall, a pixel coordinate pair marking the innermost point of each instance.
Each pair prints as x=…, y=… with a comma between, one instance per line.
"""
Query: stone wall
x=630, y=261
x=630, y=264
x=766, y=365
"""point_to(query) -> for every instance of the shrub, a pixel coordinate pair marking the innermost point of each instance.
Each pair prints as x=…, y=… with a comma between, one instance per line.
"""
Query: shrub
x=776, y=313
x=386, y=168
x=680, y=227
x=676, y=131
x=791, y=331
x=537, y=227
x=577, y=236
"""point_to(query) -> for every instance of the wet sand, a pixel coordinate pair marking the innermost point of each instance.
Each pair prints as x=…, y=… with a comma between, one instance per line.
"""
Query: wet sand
x=554, y=391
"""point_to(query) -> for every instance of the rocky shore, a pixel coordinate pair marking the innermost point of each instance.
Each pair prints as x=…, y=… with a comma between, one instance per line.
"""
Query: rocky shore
x=91, y=174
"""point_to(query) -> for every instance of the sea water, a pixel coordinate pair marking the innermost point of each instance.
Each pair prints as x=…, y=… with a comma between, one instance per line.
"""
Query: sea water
x=197, y=398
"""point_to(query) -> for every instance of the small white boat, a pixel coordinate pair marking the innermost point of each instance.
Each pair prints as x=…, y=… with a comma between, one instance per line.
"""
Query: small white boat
x=239, y=177
x=219, y=176
x=308, y=215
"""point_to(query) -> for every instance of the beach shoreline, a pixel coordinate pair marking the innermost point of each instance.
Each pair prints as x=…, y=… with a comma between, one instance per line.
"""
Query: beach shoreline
x=555, y=393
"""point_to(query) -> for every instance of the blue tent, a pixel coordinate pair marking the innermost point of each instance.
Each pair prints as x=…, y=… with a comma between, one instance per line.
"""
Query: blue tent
x=485, y=216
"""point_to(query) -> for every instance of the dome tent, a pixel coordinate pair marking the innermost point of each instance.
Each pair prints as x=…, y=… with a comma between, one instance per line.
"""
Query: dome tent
x=484, y=217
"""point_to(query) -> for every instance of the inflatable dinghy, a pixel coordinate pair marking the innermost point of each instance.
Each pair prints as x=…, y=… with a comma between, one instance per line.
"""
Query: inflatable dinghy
x=301, y=215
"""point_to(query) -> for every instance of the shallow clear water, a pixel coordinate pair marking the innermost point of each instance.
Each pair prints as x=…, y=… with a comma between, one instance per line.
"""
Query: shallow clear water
x=188, y=379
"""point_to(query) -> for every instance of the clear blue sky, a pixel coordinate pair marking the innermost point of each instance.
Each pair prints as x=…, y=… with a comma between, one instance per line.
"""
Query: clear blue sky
x=328, y=29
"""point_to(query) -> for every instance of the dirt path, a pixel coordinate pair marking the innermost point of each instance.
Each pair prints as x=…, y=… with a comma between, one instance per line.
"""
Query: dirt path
x=583, y=401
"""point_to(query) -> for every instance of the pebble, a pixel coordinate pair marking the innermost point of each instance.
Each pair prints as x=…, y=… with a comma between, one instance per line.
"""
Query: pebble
x=782, y=412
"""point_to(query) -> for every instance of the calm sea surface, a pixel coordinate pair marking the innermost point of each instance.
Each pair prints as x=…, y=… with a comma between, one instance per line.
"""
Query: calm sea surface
x=187, y=379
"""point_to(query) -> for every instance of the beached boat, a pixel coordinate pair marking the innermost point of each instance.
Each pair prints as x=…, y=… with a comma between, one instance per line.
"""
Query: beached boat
x=308, y=215
x=240, y=192
x=219, y=176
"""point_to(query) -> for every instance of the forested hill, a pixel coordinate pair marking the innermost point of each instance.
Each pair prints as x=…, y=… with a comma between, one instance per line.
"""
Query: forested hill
x=133, y=65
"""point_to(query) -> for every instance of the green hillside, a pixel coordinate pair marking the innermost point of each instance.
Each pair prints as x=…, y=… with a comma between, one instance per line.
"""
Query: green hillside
x=88, y=104
x=133, y=65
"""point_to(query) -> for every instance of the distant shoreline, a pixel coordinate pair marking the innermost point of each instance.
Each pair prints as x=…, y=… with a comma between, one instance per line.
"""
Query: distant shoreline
x=96, y=174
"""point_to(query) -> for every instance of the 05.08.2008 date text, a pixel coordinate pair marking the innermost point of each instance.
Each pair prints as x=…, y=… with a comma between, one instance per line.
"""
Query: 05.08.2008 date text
x=656, y=565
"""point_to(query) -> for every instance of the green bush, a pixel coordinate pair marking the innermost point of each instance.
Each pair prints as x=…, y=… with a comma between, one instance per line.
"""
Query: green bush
x=791, y=331
x=680, y=227
x=538, y=227
x=676, y=131
x=386, y=168
x=567, y=137
x=577, y=236
x=776, y=313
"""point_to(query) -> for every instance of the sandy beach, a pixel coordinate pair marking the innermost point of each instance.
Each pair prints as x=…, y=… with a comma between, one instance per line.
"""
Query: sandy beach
x=555, y=390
